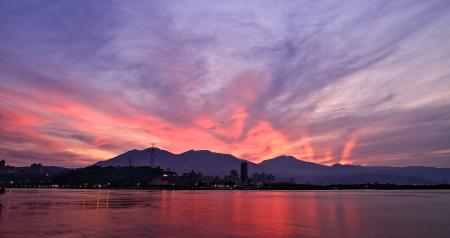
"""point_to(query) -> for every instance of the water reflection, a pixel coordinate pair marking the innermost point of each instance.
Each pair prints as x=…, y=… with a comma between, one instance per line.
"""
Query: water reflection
x=119, y=213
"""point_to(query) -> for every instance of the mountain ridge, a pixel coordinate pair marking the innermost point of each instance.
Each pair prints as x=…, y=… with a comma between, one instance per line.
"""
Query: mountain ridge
x=284, y=167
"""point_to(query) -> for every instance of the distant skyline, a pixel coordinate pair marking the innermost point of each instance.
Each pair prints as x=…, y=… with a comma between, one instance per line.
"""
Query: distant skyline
x=353, y=82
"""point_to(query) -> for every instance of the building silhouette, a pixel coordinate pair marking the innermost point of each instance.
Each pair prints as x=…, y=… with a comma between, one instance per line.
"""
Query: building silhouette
x=244, y=172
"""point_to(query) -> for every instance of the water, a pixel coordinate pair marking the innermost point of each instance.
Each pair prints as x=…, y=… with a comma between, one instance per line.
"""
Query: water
x=128, y=213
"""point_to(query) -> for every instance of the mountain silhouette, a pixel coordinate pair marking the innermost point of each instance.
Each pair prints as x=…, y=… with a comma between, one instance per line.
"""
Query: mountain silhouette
x=207, y=162
x=283, y=167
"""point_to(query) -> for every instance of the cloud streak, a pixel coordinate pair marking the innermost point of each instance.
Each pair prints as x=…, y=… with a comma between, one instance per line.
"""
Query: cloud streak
x=354, y=82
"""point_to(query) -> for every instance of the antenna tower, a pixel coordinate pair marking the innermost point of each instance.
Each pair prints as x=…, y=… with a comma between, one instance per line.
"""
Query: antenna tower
x=152, y=155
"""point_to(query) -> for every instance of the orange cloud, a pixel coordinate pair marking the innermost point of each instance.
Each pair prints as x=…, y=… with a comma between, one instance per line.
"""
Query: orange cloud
x=263, y=142
x=307, y=150
x=107, y=125
x=347, y=150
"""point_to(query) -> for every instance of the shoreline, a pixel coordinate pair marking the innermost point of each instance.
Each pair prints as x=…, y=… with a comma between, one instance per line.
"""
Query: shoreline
x=290, y=187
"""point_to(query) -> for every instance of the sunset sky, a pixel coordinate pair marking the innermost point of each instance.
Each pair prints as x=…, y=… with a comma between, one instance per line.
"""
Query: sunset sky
x=354, y=82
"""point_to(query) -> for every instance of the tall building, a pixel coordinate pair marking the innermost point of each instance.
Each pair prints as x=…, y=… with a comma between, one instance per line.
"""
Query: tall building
x=244, y=171
x=2, y=163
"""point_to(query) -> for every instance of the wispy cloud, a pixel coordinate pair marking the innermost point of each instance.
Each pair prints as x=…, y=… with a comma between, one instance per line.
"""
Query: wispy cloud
x=350, y=82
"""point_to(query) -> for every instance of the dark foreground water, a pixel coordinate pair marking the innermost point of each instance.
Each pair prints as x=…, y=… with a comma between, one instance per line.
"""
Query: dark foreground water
x=127, y=213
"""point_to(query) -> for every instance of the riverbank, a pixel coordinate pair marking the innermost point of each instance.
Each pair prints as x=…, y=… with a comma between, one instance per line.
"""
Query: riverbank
x=275, y=186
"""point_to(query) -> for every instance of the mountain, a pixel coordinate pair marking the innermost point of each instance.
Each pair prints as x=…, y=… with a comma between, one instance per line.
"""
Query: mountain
x=204, y=161
x=289, y=166
x=283, y=167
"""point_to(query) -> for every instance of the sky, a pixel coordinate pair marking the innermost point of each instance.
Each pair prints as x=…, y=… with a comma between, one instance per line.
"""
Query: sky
x=352, y=82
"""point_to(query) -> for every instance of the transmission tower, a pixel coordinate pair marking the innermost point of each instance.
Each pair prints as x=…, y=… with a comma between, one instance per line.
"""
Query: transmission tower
x=129, y=161
x=152, y=155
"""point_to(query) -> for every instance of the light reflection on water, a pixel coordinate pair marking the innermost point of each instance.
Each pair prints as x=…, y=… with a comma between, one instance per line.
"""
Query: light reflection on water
x=131, y=213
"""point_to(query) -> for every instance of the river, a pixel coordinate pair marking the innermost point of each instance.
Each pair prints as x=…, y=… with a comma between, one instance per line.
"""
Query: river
x=143, y=213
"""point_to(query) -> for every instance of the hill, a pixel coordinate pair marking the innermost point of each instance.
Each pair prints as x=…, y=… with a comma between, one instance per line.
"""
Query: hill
x=283, y=167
